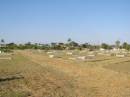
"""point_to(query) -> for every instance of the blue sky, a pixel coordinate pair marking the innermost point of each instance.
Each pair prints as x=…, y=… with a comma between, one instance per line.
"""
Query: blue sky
x=93, y=21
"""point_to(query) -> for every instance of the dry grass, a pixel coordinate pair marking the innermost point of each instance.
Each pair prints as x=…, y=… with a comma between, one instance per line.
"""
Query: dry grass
x=60, y=77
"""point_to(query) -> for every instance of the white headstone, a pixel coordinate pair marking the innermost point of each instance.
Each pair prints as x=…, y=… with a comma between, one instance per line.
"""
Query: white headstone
x=91, y=55
x=51, y=56
x=120, y=55
x=72, y=58
x=49, y=52
x=69, y=53
x=82, y=57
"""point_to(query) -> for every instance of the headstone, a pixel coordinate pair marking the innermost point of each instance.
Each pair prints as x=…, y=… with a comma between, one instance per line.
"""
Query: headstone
x=92, y=55
x=82, y=57
x=72, y=58
x=69, y=53
x=49, y=52
x=51, y=56
x=120, y=55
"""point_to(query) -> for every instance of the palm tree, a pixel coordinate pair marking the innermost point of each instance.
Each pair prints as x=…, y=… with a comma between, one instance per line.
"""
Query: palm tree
x=2, y=41
x=2, y=44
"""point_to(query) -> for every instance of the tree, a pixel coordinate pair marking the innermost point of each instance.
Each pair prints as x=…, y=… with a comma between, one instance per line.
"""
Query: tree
x=105, y=46
x=11, y=46
x=3, y=45
x=53, y=45
x=61, y=46
x=85, y=45
x=69, y=40
x=73, y=44
x=28, y=45
x=117, y=43
x=2, y=41
x=126, y=46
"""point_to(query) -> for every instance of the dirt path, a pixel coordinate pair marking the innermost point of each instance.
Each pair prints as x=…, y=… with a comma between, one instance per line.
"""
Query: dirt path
x=88, y=81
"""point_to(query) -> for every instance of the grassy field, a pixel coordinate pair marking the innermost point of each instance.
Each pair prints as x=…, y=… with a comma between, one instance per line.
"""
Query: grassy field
x=33, y=74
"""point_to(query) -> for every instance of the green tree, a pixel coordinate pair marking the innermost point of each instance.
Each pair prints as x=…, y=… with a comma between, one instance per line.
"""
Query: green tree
x=126, y=46
x=69, y=40
x=11, y=46
x=105, y=46
x=2, y=41
x=117, y=43
x=85, y=45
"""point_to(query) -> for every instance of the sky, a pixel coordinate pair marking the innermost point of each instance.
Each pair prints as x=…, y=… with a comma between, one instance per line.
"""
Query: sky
x=44, y=21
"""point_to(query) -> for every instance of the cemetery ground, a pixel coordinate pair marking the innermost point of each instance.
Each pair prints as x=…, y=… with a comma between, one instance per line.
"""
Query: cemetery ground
x=37, y=73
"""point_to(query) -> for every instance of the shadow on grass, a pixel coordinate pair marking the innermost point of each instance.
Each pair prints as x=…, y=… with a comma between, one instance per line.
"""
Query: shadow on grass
x=11, y=77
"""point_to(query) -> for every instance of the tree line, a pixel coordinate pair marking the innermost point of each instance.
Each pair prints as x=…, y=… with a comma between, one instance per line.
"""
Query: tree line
x=69, y=45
